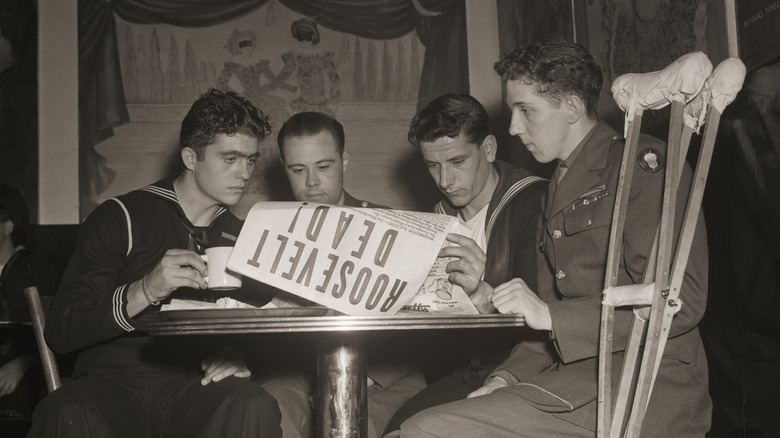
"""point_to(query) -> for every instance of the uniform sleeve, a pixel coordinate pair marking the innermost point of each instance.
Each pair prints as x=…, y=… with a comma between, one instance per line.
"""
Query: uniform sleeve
x=524, y=243
x=532, y=356
x=576, y=322
x=91, y=303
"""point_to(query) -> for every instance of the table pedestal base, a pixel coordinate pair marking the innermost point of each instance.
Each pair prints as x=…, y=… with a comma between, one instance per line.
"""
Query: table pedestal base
x=341, y=389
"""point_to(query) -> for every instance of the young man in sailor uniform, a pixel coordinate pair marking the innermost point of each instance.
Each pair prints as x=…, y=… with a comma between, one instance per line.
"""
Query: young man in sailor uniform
x=497, y=206
x=136, y=251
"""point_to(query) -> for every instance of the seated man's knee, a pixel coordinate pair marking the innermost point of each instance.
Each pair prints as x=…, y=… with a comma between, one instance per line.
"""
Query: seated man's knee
x=59, y=404
x=250, y=399
x=239, y=408
x=418, y=424
x=65, y=414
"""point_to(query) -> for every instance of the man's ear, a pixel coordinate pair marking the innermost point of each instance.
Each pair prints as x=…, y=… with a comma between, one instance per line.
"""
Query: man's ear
x=490, y=145
x=344, y=161
x=8, y=227
x=189, y=157
x=575, y=108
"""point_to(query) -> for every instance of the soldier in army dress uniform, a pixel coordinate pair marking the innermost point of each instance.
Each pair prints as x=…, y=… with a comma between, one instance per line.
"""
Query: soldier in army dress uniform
x=548, y=386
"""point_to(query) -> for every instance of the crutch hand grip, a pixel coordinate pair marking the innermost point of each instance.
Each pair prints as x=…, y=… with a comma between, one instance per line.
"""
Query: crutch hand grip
x=629, y=295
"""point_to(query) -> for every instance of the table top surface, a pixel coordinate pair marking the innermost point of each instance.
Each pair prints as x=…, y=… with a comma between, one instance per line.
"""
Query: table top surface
x=206, y=324
x=15, y=324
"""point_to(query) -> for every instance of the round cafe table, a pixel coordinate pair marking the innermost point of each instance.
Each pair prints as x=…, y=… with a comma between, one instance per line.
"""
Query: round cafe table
x=341, y=360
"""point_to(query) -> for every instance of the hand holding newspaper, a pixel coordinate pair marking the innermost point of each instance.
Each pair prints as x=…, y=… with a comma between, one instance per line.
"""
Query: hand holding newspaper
x=359, y=261
x=438, y=294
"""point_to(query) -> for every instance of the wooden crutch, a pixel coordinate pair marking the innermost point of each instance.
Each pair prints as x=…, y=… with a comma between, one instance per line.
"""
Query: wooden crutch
x=641, y=296
x=613, y=263
x=721, y=89
x=634, y=93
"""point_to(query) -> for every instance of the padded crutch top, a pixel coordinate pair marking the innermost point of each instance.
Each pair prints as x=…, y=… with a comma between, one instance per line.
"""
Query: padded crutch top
x=720, y=89
x=680, y=81
x=725, y=82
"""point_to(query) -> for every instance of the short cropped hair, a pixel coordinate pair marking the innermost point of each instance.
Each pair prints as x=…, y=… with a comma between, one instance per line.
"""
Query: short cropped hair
x=310, y=123
x=555, y=69
x=221, y=112
x=450, y=115
x=14, y=209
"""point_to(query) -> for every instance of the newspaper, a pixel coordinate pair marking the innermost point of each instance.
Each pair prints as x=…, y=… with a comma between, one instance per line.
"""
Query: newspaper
x=221, y=303
x=438, y=294
x=359, y=261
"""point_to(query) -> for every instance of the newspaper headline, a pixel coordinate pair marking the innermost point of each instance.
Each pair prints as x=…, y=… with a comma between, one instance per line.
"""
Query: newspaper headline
x=358, y=261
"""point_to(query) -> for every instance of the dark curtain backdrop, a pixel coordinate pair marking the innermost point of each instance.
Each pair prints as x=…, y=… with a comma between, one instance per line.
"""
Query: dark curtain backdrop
x=522, y=22
x=101, y=94
x=19, y=99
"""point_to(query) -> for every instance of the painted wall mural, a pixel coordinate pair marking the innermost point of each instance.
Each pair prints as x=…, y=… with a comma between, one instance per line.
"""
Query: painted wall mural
x=658, y=30
x=638, y=36
x=284, y=62
x=266, y=59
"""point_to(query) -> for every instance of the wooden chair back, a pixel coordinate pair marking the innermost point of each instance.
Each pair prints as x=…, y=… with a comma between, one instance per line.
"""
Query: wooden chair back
x=38, y=311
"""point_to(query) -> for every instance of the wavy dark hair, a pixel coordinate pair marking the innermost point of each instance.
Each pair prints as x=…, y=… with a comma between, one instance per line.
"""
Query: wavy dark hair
x=221, y=112
x=450, y=115
x=555, y=69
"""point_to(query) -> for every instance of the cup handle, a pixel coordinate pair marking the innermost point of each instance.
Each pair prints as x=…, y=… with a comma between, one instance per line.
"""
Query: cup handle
x=206, y=261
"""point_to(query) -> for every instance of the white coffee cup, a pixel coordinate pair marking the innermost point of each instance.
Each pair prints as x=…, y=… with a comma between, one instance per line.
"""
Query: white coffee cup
x=220, y=277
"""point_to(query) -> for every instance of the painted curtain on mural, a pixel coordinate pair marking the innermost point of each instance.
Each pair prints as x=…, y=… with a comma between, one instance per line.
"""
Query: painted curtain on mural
x=440, y=25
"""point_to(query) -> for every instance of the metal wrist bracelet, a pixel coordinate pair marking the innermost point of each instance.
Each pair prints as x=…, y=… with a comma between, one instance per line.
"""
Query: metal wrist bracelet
x=146, y=293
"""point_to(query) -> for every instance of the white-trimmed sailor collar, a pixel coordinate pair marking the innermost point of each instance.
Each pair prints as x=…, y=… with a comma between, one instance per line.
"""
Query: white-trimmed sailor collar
x=164, y=190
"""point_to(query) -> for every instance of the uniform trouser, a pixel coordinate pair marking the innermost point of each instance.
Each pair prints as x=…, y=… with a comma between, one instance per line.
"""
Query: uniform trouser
x=294, y=390
x=500, y=414
x=16, y=408
x=449, y=388
x=156, y=406
x=680, y=407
